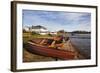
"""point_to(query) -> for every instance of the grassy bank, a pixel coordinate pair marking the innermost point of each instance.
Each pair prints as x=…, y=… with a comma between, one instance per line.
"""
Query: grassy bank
x=29, y=36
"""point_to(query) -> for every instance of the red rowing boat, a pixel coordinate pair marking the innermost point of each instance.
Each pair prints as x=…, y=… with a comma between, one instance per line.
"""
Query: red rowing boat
x=36, y=48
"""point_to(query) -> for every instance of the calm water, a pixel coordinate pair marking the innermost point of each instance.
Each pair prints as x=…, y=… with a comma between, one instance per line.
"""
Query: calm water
x=83, y=43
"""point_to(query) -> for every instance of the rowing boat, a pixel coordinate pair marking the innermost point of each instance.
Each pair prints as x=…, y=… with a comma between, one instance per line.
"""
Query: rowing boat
x=36, y=48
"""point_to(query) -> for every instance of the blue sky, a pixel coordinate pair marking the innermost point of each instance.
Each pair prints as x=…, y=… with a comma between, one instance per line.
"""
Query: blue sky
x=57, y=20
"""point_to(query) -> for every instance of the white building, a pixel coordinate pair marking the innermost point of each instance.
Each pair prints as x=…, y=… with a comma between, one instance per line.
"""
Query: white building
x=38, y=29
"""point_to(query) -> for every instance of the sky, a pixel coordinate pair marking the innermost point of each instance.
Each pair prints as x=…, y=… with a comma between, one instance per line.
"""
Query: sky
x=57, y=20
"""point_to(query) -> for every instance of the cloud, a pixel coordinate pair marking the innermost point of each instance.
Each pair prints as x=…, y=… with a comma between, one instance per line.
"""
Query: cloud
x=55, y=20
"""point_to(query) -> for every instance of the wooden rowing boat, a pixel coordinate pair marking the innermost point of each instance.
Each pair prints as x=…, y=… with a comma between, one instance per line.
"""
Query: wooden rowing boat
x=36, y=48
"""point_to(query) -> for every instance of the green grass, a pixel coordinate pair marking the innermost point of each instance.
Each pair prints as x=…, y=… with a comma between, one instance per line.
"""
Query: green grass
x=29, y=36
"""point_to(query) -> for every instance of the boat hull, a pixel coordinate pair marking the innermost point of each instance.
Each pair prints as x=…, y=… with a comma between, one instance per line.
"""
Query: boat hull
x=49, y=52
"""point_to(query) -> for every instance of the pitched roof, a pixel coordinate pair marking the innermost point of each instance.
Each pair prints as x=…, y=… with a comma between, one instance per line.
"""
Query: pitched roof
x=38, y=27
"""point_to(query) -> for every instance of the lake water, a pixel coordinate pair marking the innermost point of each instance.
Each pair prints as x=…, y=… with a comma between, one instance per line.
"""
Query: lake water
x=83, y=43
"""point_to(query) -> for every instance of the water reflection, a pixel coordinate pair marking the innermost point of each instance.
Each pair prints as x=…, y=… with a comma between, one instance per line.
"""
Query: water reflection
x=83, y=43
